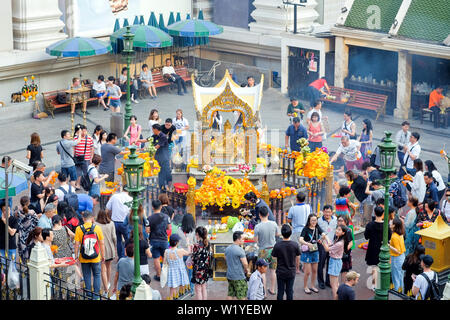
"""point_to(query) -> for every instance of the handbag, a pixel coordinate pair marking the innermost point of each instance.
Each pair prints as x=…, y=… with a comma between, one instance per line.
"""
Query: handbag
x=315, y=246
x=189, y=262
x=79, y=160
x=163, y=277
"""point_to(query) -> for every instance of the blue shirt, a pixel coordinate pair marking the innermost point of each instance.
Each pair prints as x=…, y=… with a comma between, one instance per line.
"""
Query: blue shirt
x=432, y=192
x=294, y=135
x=84, y=202
x=45, y=222
x=299, y=214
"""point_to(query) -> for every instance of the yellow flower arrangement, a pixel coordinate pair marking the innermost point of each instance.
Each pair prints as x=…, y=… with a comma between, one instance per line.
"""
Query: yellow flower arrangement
x=222, y=190
x=151, y=166
x=261, y=161
x=314, y=165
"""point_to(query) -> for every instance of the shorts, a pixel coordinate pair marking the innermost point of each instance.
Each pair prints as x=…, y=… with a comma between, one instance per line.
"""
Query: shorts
x=102, y=94
x=266, y=254
x=70, y=172
x=310, y=257
x=334, y=267
x=237, y=288
x=158, y=248
x=114, y=103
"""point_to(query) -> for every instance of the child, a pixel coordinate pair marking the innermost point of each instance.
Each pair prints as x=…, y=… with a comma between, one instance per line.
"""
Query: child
x=397, y=246
x=100, y=91
x=114, y=93
x=336, y=250
x=343, y=203
x=177, y=275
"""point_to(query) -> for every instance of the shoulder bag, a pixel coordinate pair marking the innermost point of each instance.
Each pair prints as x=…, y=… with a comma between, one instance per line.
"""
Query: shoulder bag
x=79, y=160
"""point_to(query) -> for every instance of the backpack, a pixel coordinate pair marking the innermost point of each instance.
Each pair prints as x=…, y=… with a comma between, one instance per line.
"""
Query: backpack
x=400, y=197
x=85, y=181
x=90, y=248
x=433, y=292
x=70, y=197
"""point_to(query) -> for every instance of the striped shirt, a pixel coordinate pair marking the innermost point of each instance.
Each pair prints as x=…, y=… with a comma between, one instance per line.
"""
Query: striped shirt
x=79, y=148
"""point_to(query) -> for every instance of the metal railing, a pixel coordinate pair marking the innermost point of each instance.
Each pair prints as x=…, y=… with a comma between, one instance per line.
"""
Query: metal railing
x=17, y=291
x=60, y=289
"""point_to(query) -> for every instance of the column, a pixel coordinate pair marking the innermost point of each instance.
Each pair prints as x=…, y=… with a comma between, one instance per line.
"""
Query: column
x=340, y=62
x=6, y=37
x=39, y=271
x=36, y=24
x=404, y=82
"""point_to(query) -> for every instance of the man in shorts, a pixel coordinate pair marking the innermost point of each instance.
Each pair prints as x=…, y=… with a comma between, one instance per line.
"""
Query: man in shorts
x=159, y=225
x=114, y=93
x=265, y=235
x=237, y=268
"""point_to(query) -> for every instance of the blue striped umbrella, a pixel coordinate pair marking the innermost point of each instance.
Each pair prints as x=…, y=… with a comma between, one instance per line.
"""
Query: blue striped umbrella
x=194, y=28
x=78, y=47
x=145, y=37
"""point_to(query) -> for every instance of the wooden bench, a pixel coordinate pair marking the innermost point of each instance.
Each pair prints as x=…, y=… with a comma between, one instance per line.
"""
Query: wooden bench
x=51, y=103
x=160, y=82
x=359, y=99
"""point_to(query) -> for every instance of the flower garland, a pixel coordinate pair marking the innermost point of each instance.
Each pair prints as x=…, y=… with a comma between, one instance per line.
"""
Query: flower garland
x=222, y=190
x=312, y=165
x=151, y=165
x=283, y=193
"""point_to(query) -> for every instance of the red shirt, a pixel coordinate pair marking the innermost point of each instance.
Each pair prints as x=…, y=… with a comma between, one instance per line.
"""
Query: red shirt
x=318, y=84
x=79, y=148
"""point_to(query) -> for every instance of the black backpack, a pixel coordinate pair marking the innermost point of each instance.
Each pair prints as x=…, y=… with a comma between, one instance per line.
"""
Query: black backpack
x=70, y=197
x=401, y=197
x=433, y=292
x=85, y=181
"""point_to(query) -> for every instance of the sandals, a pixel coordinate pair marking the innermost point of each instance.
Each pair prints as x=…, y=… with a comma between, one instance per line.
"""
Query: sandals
x=307, y=291
x=272, y=293
x=314, y=290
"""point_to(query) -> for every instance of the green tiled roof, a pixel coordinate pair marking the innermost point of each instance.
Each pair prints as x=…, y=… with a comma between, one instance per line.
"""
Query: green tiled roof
x=362, y=14
x=427, y=20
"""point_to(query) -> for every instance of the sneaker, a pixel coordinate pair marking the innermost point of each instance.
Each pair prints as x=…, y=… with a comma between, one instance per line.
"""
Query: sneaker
x=322, y=286
x=180, y=94
x=87, y=112
x=155, y=277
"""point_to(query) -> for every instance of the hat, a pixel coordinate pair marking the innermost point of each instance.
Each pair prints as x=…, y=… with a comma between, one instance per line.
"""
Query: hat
x=261, y=263
x=49, y=207
x=175, y=237
x=427, y=259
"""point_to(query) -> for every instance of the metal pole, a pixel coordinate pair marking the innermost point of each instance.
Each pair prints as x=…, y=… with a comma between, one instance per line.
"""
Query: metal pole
x=384, y=265
x=137, y=271
x=128, y=103
x=295, y=18
x=6, y=207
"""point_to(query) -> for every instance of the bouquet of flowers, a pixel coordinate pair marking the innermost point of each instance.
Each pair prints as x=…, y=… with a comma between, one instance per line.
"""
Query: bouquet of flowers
x=207, y=168
x=244, y=168
x=151, y=148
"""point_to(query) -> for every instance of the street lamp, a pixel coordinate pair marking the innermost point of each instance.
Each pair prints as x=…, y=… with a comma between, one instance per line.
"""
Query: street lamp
x=387, y=155
x=133, y=168
x=128, y=52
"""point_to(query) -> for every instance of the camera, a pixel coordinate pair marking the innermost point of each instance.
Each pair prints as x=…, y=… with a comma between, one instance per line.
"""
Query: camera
x=22, y=166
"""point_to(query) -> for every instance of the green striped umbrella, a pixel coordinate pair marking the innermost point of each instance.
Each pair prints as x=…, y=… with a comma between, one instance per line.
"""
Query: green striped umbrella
x=200, y=41
x=78, y=47
x=145, y=37
x=194, y=28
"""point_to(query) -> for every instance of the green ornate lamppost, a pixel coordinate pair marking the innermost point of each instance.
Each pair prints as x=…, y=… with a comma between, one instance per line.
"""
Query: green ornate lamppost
x=133, y=169
x=387, y=154
x=128, y=52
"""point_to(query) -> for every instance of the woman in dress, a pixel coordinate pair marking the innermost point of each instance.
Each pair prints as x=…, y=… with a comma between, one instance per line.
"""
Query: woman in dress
x=173, y=257
x=186, y=234
x=429, y=213
x=27, y=221
x=418, y=186
x=201, y=259
x=110, y=241
x=134, y=130
x=348, y=126
x=309, y=238
x=315, y=132
x=146, y=78
x=94, y=176
x=366, y=139
x=96, y=136
x=153, y=118
x=182, y=126
x=440, y=185
x=411, y=238
x=34, y=149
x=63, y=239
x=411, y=266
x=397, y=251
x=336, y=251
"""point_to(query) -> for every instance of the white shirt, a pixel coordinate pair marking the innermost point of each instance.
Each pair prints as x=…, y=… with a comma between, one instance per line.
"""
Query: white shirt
x=415, y=150
x=402, y=138
x=308, y=116
x=59, y=192
x=422, y=283
x=97, y=145
x=446, y=209
x=99, y=86
x=347, y=127
x=117, y=206
x=168, y=70
x=152, y=122
x=351, y=153
x=180, y=124
x=418, y=186
x=440, y=182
